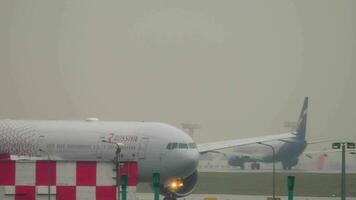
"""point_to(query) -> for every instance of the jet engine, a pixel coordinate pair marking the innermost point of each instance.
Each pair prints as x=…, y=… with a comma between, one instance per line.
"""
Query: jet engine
x=288, y=164
x=177, y=187
x=236, y=161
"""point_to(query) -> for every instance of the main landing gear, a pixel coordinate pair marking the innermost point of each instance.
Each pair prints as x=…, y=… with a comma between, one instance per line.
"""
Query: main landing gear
x=255, y=166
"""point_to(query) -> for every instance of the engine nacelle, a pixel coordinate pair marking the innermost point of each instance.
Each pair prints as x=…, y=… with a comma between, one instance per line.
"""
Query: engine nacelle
x=236, y=161
x=187, y=187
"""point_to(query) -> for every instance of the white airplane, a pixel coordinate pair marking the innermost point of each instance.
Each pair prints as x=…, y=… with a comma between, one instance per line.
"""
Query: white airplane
x=157, y=147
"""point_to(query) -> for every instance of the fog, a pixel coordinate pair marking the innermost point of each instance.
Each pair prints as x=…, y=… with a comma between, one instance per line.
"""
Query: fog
x=237, y=68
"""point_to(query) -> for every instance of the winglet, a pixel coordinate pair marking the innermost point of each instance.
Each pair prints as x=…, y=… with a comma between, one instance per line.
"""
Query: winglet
x=302, y=121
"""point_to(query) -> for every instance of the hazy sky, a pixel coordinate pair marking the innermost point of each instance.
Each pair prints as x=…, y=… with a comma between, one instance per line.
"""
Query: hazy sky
x=237, y=68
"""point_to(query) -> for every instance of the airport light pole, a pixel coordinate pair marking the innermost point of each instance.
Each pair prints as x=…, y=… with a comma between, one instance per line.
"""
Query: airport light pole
x=274, y=169
x=117, y=163
x=49, y=173
x=190, y=128
x=342, y=146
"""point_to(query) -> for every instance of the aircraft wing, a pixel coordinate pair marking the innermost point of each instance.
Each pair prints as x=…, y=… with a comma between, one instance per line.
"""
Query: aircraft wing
x=299, y=134
x=246, y=157
x=211, y=146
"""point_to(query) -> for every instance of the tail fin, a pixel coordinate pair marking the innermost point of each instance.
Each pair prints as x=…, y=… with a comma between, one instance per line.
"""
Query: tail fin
x=302, y=121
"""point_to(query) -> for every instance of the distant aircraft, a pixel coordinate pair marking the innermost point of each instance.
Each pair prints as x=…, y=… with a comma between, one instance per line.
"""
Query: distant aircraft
x=157, y=147
x=288, y=150
x=319, y=157
x=319, y=162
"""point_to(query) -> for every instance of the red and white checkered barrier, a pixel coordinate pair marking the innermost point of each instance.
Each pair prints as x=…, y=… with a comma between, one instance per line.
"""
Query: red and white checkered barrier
x=69, y=180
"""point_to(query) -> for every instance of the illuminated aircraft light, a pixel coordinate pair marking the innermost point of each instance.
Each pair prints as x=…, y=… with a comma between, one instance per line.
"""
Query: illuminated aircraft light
x=175, y=184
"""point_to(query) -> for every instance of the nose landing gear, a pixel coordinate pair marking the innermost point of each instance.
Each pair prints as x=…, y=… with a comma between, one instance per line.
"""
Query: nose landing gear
x=169, y=198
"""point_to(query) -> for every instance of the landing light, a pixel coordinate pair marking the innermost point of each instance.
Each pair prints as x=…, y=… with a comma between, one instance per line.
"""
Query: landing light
x=175, y=184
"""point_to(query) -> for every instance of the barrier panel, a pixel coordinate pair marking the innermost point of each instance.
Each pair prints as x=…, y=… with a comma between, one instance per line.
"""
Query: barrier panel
x=68, y=180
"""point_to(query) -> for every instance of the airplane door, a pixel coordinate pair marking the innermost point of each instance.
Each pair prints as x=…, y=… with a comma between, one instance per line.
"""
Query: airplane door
x=41, y=145
x=99, y=150
x=143, y=148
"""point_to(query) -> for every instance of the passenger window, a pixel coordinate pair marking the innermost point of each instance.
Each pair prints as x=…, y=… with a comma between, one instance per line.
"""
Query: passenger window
x=169, y=146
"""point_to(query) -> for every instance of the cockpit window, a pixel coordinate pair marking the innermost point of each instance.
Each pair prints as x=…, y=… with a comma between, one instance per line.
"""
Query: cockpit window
x=192, y=146
x=169, y=145
x=174, y=145
x=183, y=146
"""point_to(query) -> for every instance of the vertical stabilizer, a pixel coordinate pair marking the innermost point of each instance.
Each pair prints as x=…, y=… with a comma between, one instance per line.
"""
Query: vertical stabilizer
x=302, y=121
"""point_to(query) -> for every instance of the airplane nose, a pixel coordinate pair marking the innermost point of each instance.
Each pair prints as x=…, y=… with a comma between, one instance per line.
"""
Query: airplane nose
x=192, y=158
x=187, y=163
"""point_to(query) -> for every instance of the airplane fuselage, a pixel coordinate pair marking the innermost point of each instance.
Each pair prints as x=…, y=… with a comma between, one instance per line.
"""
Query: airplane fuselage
x=143, y=142
x=285, y=152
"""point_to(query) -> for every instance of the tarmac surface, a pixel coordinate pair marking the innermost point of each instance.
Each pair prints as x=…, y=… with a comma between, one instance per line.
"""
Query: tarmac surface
x=149, y=196
x=260, y=183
